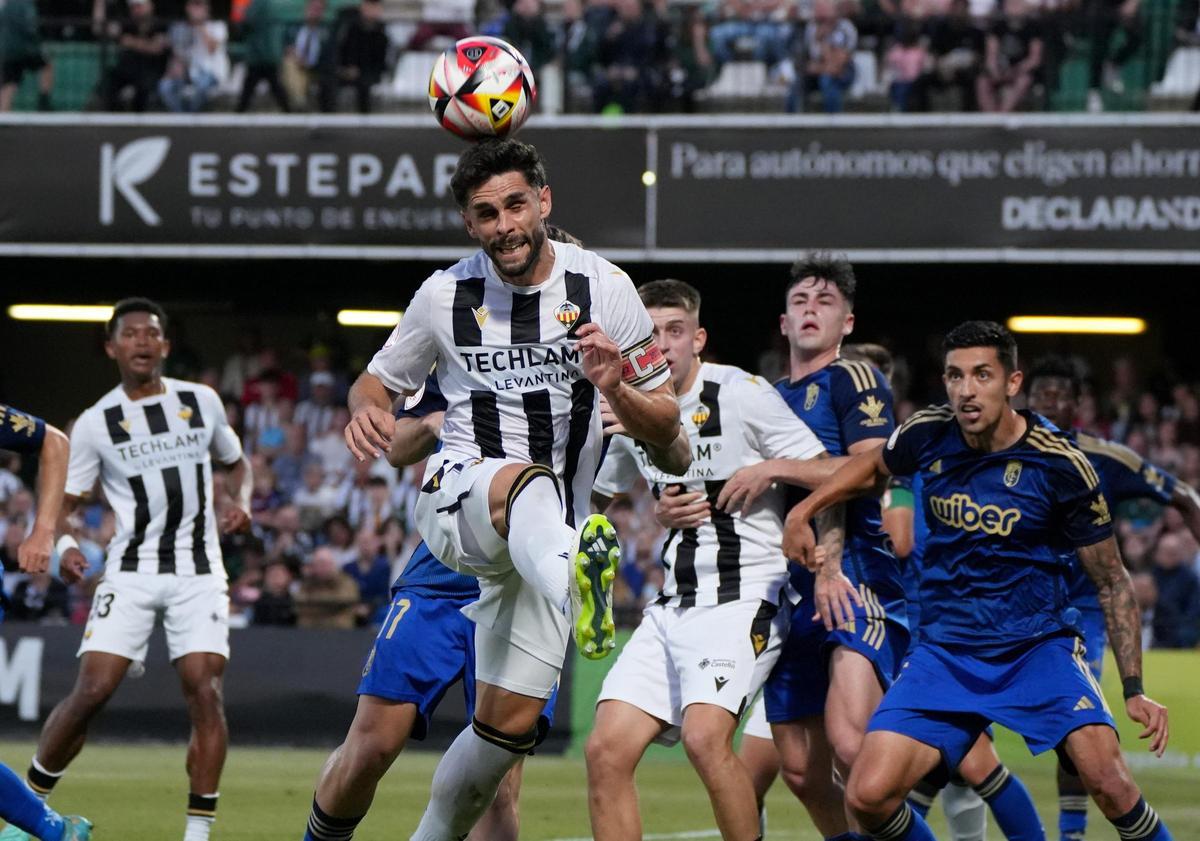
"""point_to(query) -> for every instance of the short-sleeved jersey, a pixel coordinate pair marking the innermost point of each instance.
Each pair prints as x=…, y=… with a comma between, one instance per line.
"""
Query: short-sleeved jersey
x=733, y=420
x=1124, y=476
x=152, y=457
x=1003, y=527
x=20, y=432
x=844, y=403
x=424, y=573
x=508, y=366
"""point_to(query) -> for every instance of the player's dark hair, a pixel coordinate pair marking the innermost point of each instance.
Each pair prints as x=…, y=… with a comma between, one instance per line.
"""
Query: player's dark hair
x=1053, y=365
x=876, y=355
x=671, y=293
x=984, y=334
x=488, y=158
x=128, y=305
x=826, y=266
x=559, y=235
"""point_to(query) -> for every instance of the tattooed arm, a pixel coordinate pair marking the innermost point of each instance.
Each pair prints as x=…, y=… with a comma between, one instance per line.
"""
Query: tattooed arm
x=1102, y=562
x=833, y=592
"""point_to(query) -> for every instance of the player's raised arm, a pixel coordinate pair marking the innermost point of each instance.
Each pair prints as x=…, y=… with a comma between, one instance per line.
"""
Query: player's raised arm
x=371, y=426
x=1122, y=617
x=33, y=555
x=855, y=478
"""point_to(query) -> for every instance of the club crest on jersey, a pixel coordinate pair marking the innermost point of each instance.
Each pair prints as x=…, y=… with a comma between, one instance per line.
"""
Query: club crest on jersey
x=1012, y=474
x=936, y=467
x=759, y=641
x=873, y=409
x=701, y=415
x=566, y=314
x=1100, y=509
x=481, y=315
x=1153, y=478
x=810, y=396
x=185, y=413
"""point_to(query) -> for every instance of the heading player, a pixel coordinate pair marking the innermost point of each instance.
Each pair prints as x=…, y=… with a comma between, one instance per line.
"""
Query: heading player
x=707, y=643
x=22, y=809
x=1054, y=391
x=527, y=335
x=1007, y=499
x=151, y=442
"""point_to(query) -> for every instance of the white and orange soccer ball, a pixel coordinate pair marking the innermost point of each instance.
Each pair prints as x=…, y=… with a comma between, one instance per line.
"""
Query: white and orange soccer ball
x=481, y=87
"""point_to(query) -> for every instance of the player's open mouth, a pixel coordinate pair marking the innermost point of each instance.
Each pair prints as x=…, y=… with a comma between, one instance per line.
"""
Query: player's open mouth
x=970, y=411
x=510, y=249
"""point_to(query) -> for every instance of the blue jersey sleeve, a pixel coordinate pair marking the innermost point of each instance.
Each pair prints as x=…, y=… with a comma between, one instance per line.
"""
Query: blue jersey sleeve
x=426, y=401
x=20, y=432
x=1084, y=512
x=862, y=400
x=1123, y=473
x=903, y=453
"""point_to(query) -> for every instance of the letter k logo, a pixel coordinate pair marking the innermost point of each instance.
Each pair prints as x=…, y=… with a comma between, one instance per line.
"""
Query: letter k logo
x=134, y=164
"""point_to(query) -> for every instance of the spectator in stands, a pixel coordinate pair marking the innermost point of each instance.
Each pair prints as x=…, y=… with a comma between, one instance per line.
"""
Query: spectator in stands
x=1177, y=611
x=141, y=59
x=1145, y=591
x=275, y=605
x=316, y=500
x=292, y=462
x=372, y=571
x=40, y=598
x=368, y=500
x=265, y=365
x=906, y=61
x=692, y=65
x=525, y=27
x=10, y=483
x=309, y=57
x=330, y=448
x=263, y=34
x=327, y=598
x=447, y=19
x=957, y=46
x=287, y=541
x=339, y=539
x=360, y=50
x=579, y=36
x=1102, y=19
x=631, y=55
x=198, y=63
x=1012, y=60
x=762, y=29
x=264, y=413
x=315, y=413
x=829, y=42
x=21, y=52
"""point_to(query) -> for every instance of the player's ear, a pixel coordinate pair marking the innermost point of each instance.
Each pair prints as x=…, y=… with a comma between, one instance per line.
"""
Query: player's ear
x=467, y=222
x=109, y=349
x=699, y=340
x=166, y=347
x=544, y=201
x=1014, y=383
x=848, y=327
x=783, y=324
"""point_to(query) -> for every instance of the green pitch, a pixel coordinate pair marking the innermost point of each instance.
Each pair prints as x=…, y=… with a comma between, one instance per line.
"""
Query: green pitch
x=139, y=792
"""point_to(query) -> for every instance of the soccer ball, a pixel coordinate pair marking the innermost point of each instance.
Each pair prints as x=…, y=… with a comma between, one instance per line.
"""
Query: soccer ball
x=481, y=87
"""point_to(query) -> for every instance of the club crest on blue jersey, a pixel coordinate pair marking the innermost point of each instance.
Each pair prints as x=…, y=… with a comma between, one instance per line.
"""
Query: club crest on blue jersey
x=1012, y=473
x=810, y=396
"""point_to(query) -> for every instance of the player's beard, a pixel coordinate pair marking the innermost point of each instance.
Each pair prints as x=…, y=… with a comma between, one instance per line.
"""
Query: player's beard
x=536, y=241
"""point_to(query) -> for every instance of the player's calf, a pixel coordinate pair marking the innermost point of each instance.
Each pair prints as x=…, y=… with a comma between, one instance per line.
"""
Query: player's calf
x=1095, y=754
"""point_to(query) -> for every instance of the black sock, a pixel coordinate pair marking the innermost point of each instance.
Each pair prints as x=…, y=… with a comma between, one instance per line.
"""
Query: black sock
x=323, y=827
x=41, y=782
x=1140, y=822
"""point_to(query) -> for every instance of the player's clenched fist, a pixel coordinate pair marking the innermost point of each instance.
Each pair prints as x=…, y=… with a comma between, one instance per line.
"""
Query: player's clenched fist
x=799, y=541
x=369, y=432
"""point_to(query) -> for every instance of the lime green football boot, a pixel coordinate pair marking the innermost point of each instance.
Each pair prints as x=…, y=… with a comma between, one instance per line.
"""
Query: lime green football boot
x=593, y=571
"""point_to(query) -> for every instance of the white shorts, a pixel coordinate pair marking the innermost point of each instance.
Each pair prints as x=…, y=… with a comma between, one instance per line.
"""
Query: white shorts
x=756, y=720
x=680, y=656
x=454, y=518
x=195, y=611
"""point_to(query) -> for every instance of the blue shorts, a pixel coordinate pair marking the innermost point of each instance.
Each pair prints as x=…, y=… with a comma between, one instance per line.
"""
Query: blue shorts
x=1042, y=691
x=800, y=681
x=1095, y=639
x=424, y=647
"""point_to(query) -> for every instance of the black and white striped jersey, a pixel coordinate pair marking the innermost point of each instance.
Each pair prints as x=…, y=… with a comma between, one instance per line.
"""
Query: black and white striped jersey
x=152, y=457
x=733, y=420
x=507, y=363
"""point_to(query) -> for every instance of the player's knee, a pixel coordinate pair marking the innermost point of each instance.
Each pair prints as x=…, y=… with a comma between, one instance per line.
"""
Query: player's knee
x=1111, y=785
x=92, y=692
x=870, y=797
x=371, y=755
x=205, y=698
x=707, y=745
x=606, y=757
x=801, y=782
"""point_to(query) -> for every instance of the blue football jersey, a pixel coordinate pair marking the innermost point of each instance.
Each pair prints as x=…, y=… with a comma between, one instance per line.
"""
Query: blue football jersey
x=1003, y=528
x=20, y=432
x=844, y=403
x=424, y=573
x=1123, y=476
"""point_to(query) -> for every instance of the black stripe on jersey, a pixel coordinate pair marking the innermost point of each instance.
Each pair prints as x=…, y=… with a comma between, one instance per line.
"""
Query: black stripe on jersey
x=156, y=419
x=685, y=567
x=173, y=487
x=708, y=398
x=526, y=319
x=541, y=426
x=485, y=418
x=579, y=293
x=113, y=418
x=195, y=419
x=729, y=548
x=199, y=552
x=583, y=399
x=468, y=300
x=141, y=522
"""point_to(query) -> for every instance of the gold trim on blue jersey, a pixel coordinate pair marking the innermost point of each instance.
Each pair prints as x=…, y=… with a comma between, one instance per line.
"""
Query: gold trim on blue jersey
x=1117, y=452
x=1043, y=439
x=876, y=632
x=933, y=413
x=860, y=373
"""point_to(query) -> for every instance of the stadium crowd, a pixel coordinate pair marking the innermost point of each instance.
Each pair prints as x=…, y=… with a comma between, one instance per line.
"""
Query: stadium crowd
x=614, y=56
x=330, y=534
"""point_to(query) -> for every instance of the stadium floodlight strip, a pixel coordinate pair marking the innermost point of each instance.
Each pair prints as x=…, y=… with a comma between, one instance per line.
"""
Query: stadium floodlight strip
x=1105, y=325
x=369, y=318
x=60, y=312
